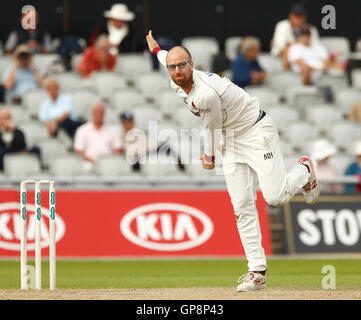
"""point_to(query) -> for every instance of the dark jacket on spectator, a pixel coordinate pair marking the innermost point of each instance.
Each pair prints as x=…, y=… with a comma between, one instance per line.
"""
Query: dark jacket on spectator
x=242, y=68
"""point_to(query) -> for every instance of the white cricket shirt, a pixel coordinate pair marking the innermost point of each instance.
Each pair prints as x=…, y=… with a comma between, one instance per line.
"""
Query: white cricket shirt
x=220, y=103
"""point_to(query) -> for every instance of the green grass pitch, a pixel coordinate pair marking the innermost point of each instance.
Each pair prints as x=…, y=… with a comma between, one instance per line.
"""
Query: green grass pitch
x=282, y=273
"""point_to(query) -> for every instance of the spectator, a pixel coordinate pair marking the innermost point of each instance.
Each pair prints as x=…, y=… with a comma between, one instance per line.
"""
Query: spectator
x=305, y=57
x=286, y=32
x=58, y=111
x=38, y=40
x=246, y=69
x=97, y=58
x=22, y=75
x=322, y=151
x=135, y=143
x=354, y=169
x=11, y=138
x=121, y=34
x=95, y=139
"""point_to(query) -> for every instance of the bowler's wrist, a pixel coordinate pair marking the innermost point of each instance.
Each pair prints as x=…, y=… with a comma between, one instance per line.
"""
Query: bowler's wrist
x=156, y=50
x=210, y=159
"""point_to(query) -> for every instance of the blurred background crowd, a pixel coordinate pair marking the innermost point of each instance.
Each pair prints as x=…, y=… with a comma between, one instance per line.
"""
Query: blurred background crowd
x=72, y=105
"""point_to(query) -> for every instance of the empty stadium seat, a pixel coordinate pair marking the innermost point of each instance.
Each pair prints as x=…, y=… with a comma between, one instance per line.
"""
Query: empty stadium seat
x=113, y=165
x=159, y=165
x=5, y=61
x=83, y=100
x=168, y=131
x=75, y=60
x=291, y=161
x=151, y=84
x=341, y=161
x=339, y=46
x=202, y=50
x=281, y=82
x=301, y=96
x=232, y=46
x=356, y=78
x=323, y=116
x=50, y=149
x=282, y=116
x=18, y=113
x=144, y=113
x=106, y=83
x=131, y=64
x=44, y=61
x=125, y=99
x=266, y=96
x=32, y=100
x=186, y=119
x=169, y=103
x=300, y=134
x=34, y=132
x=270, y=63
x=66, y=166
x=68, y=81
x=22, y=165
x=343, y=134
x=345, y=98
x=332, y=81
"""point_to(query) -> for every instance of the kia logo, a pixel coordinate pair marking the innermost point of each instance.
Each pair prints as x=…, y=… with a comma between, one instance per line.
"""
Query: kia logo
x=166, y=226
x=10, y=226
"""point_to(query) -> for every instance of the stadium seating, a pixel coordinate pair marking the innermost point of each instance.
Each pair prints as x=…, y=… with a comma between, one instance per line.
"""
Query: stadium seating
x=106, y=83
x=50, y=149
x=281, y=82
x=202, y=57
x=186, y=119
x=43, y=61
x=68, y=81
x=232, y=45
x=301, y=96
x=18, y=113
x=346, y=98
x=125, y=99
x=130, y=65
x=323, y=116
x=339, y=46
x=75, y=60
x=160, y=165
x=282, y=116
x=265, y=95
x=34, y=132
x=113, y=165
x=143, y=113
x=151, y=84
x=66, y=166
x=341, y=161
x=169, y=103
x=300, y=134
x=270, y=63
x=83, y=100
x=5, y=61
x=356, y=78
x=21, y=165
x=32, y=100
x=344, y=133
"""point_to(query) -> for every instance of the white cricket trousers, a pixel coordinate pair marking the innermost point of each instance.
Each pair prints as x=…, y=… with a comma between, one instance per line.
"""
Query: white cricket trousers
x=257, y=154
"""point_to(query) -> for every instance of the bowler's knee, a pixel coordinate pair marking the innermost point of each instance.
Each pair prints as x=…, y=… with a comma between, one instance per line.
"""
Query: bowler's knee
x=274, y=200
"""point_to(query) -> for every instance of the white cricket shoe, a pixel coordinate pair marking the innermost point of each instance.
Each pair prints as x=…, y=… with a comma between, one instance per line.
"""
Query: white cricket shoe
x=251, y=281
x=311, y=189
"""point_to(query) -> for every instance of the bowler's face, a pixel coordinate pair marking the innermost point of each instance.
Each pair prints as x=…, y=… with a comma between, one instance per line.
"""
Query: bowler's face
x=179, y=67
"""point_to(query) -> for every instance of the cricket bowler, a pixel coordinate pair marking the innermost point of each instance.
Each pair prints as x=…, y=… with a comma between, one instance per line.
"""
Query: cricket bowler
x=251, y=151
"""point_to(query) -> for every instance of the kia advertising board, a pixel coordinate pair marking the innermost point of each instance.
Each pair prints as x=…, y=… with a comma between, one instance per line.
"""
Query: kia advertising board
x=333, y=224
x=131, y=223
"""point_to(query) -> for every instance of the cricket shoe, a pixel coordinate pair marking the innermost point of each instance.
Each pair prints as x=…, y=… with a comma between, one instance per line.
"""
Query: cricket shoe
x=311, y=189
x=251, y=281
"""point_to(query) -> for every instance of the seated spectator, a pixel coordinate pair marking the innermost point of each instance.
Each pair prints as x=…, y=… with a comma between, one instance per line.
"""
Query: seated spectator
x=22, y=75
x=305, y=57
x=38, y=40
x=97, y=58
x=95, y=139
x=58, y=111
x=135, y=143
x=354, y=169
x=322, y=151
x=286, y=32
x=121, y=34
x=11, y=138
x=246, y=69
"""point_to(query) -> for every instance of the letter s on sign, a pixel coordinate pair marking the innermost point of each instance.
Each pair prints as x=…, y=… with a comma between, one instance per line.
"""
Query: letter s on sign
x=310, y=235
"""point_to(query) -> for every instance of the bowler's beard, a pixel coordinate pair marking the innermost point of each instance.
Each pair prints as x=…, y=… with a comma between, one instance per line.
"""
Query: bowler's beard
x=183, y=82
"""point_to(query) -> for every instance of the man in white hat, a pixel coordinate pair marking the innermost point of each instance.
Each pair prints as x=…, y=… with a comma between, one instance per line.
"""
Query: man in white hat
x=121, y=36
x=322, y=151
x=354, y=169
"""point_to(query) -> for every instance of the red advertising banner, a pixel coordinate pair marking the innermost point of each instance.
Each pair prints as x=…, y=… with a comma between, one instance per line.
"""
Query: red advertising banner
x=131, y=223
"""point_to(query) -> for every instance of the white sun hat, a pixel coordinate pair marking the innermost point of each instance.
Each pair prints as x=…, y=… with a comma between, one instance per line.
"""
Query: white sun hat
x=119, y=11
x=322, y=149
